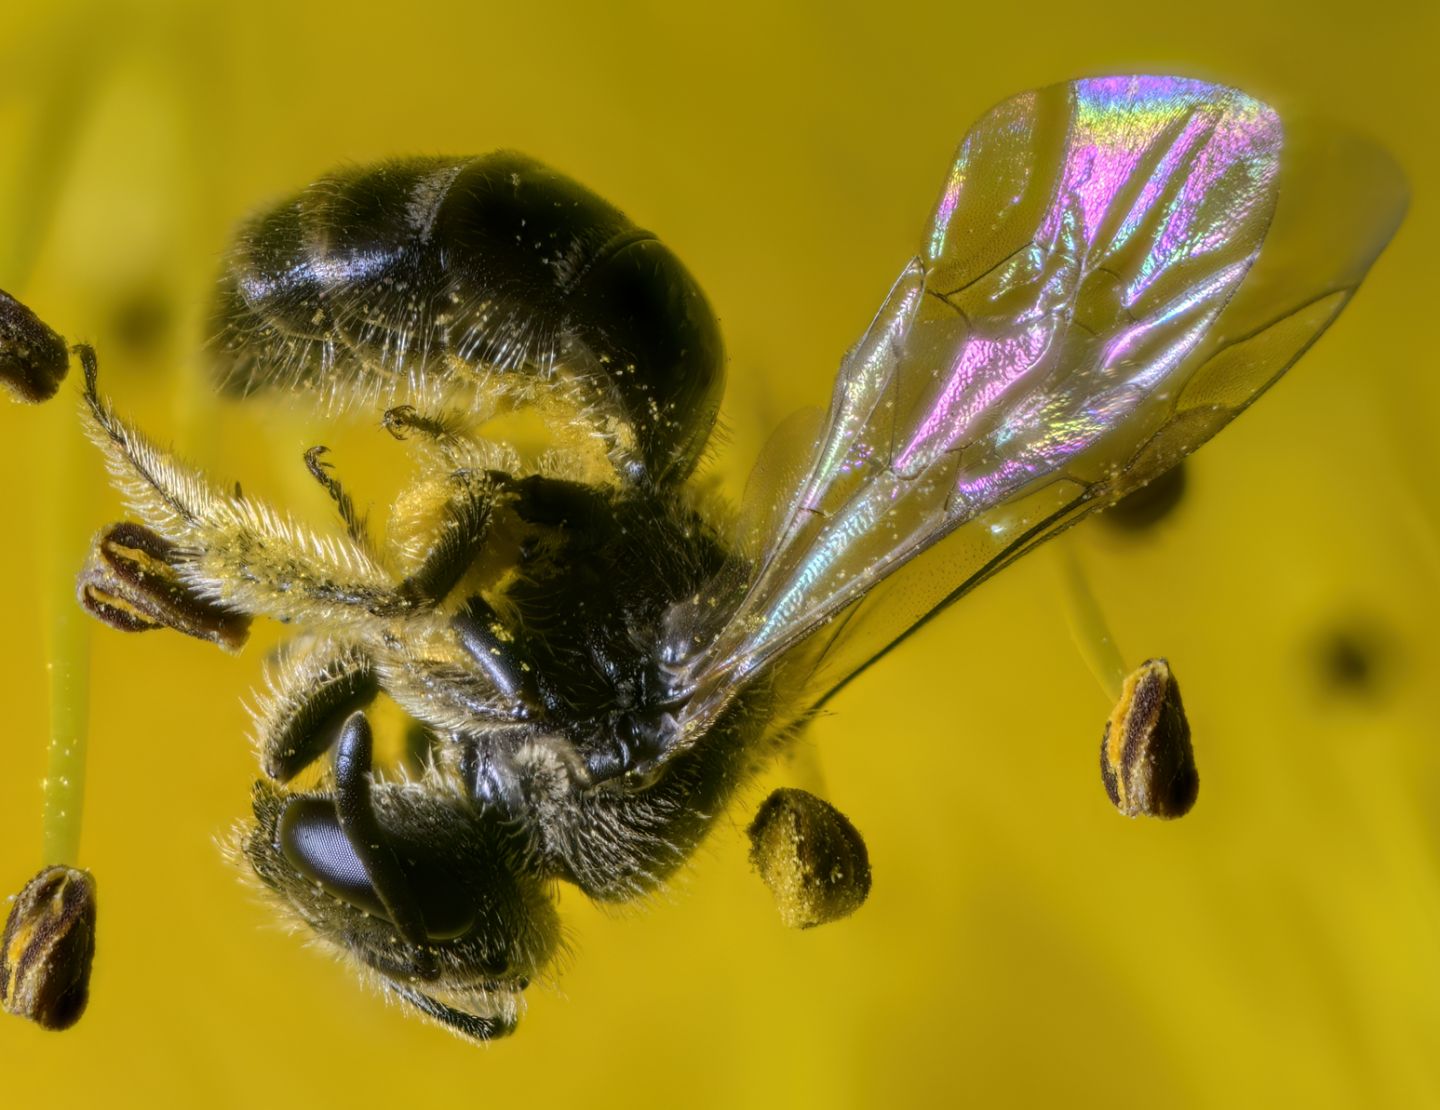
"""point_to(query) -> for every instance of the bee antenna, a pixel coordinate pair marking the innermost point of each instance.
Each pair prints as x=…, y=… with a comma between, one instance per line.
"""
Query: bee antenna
x=355, y=807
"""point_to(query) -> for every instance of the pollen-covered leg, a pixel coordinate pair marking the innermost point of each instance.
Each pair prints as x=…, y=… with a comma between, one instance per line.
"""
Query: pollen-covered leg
x=310, y=692
x=444, y=439
x=444, y=525
x=233, y=550
x=440, y=525
x=404, y=421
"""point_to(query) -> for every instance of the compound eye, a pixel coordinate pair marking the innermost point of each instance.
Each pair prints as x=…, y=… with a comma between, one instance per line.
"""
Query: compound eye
x=316, y=846
x=312, y=840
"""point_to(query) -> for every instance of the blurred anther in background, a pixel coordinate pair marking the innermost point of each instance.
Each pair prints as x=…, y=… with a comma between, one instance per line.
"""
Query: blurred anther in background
x=33, y=358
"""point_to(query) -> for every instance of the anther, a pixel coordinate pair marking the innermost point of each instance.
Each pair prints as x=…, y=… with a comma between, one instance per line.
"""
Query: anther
x=130, y=582
x=811, y=857
x=1146, y=759
x=48, y=947
x=33, y=358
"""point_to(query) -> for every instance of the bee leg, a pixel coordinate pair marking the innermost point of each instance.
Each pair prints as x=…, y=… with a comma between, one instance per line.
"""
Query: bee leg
x=355, y=524
x=557, y=502
x=488, y=772
x=402, y=421
x=235, y=551
x=448, y=445
x=444, y=437
x=465, y=522
x=465, y=517
x=355, y=808
x=310, y=696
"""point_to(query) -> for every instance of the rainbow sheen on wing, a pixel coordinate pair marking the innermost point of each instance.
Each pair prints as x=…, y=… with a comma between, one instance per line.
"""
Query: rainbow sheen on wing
x=1080, y=317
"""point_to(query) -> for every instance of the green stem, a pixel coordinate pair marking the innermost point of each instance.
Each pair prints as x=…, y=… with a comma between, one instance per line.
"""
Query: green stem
x=65, y=74
x=1087, y=624
x=67, y=646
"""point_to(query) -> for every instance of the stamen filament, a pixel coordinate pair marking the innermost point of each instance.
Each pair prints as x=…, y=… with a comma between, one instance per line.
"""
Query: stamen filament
x=1087, y=624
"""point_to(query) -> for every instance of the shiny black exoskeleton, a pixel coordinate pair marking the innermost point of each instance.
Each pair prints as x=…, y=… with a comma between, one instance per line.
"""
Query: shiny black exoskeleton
x=494, y=267
x=518, y=613
x=446, y=892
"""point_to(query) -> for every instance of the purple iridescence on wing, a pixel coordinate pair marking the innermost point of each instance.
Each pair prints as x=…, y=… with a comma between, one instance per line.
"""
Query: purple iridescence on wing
x=1151, y=226
x=1086, y=239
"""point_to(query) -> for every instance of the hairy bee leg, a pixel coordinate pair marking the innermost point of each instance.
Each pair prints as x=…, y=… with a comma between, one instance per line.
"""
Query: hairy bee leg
x=447, y=445
x=474, y=1026
x=355, y=524
x=466, y=516
x=310, y=696
x=444, y=439
x=464, y=524
x=236, y=551
x=355, y=808
x=488, y=773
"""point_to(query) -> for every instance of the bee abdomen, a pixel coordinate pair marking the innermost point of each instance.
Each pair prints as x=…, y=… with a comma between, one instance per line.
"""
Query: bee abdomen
x=379, y=276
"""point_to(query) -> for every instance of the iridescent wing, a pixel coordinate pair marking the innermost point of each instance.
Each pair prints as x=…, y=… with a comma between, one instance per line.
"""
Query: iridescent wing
x=1116, y=268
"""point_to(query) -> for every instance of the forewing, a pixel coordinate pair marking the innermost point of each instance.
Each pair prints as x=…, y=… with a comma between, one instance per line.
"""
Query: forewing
x=1087, y=309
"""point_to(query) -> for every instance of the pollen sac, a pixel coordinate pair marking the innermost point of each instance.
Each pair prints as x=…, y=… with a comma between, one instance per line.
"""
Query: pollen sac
x=33, y=359
x=1146, y=759
x=811, y=857
x=130, y=583
x=48, y=947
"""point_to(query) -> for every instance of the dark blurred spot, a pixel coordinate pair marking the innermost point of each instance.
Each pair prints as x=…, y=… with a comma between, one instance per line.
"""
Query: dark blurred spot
x=142, y=319
x=1356, y=657
x=1149, y=504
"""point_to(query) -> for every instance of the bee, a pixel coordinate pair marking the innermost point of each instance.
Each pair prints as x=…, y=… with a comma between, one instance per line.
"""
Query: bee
x=593, y=655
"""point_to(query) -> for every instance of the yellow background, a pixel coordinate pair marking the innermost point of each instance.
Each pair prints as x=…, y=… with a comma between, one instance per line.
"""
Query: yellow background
x=1023, y=945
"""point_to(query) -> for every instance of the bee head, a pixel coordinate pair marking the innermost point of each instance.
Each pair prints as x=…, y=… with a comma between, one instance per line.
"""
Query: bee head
x=434, y=903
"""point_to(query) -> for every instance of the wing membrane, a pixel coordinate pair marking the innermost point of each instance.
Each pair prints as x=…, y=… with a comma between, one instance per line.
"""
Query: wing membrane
x=1092, y=303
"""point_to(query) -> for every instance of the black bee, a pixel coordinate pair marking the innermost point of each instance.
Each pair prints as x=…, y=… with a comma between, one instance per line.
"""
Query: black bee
x=593, y=655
